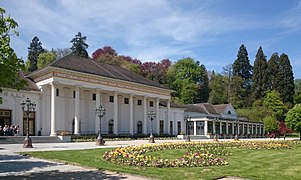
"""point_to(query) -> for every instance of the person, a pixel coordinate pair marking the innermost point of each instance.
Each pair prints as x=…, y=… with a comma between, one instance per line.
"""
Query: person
x=40, y=132
x=1, y=131
x=6, y=130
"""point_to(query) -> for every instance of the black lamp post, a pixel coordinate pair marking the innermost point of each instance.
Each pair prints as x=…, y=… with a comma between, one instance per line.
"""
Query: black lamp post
x=27, y=107
x=187, y=118
x=236, y=134
x=100, y=112
x=151, y=115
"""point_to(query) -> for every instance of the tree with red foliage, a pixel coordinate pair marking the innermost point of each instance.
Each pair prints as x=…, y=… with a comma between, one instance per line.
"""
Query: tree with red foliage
x=107, y=55
x=283, y=129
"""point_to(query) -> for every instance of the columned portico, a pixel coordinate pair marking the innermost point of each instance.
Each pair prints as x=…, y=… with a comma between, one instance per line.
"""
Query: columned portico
x=77, y=111
x=53, y=119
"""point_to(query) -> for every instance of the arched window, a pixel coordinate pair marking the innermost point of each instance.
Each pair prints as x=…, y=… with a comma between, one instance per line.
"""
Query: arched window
x=229, y=112
x=139, y=127
x=111, y=126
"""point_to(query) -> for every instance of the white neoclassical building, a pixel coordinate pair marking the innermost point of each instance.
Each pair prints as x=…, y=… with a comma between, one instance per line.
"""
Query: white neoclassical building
x=68, y=91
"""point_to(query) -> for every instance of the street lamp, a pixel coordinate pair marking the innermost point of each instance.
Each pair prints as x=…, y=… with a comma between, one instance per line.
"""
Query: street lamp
x=187, y=118
x=27, y=107
x=151, y=115
x=100, y=112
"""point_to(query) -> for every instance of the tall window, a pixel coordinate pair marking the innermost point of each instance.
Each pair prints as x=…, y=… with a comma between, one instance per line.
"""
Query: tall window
x=170, y=128
x=73, y=94
x=151, y=104
x=139, y=102
x=179, y=127
x=126, y=100
x=57, y=92
x=111, y=98
x=94, y=97
x=139, y=127
x=111, y=126
x=161, y=127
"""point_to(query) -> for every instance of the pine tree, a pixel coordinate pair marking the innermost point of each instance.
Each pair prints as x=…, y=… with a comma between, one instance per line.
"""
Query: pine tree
x=34, y=50
x=241, y=70
x=260, y=75
x=273, y=68
x=79, y=45
x=242, y=67
x=286, y=80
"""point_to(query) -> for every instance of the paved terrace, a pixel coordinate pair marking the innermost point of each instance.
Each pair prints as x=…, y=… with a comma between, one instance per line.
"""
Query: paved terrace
x=14, y=166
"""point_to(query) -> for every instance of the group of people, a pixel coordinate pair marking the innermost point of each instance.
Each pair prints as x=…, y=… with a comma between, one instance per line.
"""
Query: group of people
x=9, y=130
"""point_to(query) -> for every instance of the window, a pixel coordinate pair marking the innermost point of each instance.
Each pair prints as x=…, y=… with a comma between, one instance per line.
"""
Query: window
x=111, y=98
x=57, y=92
x=151, y=104
x=229, y=112
x=179, y=127
x=73, y=94
x=170, y=127
x=139, y=127
x=111, y=126
x=94, y=97
x=126, y=100
x=139, y=102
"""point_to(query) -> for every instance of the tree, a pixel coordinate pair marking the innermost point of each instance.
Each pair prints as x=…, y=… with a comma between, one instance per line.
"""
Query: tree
x=270, y=124
x=107, y=55
x=273, y=68
x=243, y=70
x=185, y=77
x=273, y=102
x=286, y=80
x=60, y=53
x=46, y=58
x=293, y=118
x=10, y=64
x=79, y=45
x=297, y=96
x=203, y=87
x=242, y=67
x=218, y=89
x=236, y=93
x=34, y=50
x=260, y=75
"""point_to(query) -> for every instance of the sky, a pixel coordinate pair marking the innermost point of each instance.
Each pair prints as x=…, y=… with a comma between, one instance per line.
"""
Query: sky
x=209, y=31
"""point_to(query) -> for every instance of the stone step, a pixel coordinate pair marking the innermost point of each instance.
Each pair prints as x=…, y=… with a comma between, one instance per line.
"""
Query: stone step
x=34, y=139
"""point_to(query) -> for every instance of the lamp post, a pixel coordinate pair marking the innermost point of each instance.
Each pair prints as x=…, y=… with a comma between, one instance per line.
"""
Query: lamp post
x=100, y=112
x=187, y=118
x=27, y=107
x=236, y=134
x=151, y=115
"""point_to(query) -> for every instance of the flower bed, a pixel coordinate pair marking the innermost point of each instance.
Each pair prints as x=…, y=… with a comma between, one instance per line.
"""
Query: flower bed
x=198, y=153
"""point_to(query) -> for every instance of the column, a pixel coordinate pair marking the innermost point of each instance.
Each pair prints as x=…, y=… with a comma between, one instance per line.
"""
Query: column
x=233, y=129
x=131, y=115
x=260, y=130
x=168, y=117
x=213, y=127
x=252, y=130
x=221, y=128
x=205, y=127
x=238, y=129
x=77, y=111
x=227, y=130
x=97, y=104
x=243, y=129
x=144, y=115
x=194, y=127
x=157, y=120
x=115, y=113
x=256, y=131
x=53, y=94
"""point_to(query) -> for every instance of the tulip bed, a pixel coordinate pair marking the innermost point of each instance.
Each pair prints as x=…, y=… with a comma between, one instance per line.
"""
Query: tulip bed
x=198, y=154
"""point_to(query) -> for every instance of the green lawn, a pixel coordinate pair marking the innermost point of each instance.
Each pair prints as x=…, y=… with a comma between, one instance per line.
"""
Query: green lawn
x=253, y=164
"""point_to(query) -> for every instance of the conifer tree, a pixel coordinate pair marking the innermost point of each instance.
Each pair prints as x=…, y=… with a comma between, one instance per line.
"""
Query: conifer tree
x=260, y=75
x=79, y=45
x=273, y=68
x=34, y=50
x=286, y=80
x=242, y=70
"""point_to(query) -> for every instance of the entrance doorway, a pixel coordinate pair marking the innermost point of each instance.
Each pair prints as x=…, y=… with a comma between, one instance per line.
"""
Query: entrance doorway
x=5, y=117
x=31, y=123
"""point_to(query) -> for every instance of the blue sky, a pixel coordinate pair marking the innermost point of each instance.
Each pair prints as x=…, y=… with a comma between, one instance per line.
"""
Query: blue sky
x=209, y=31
